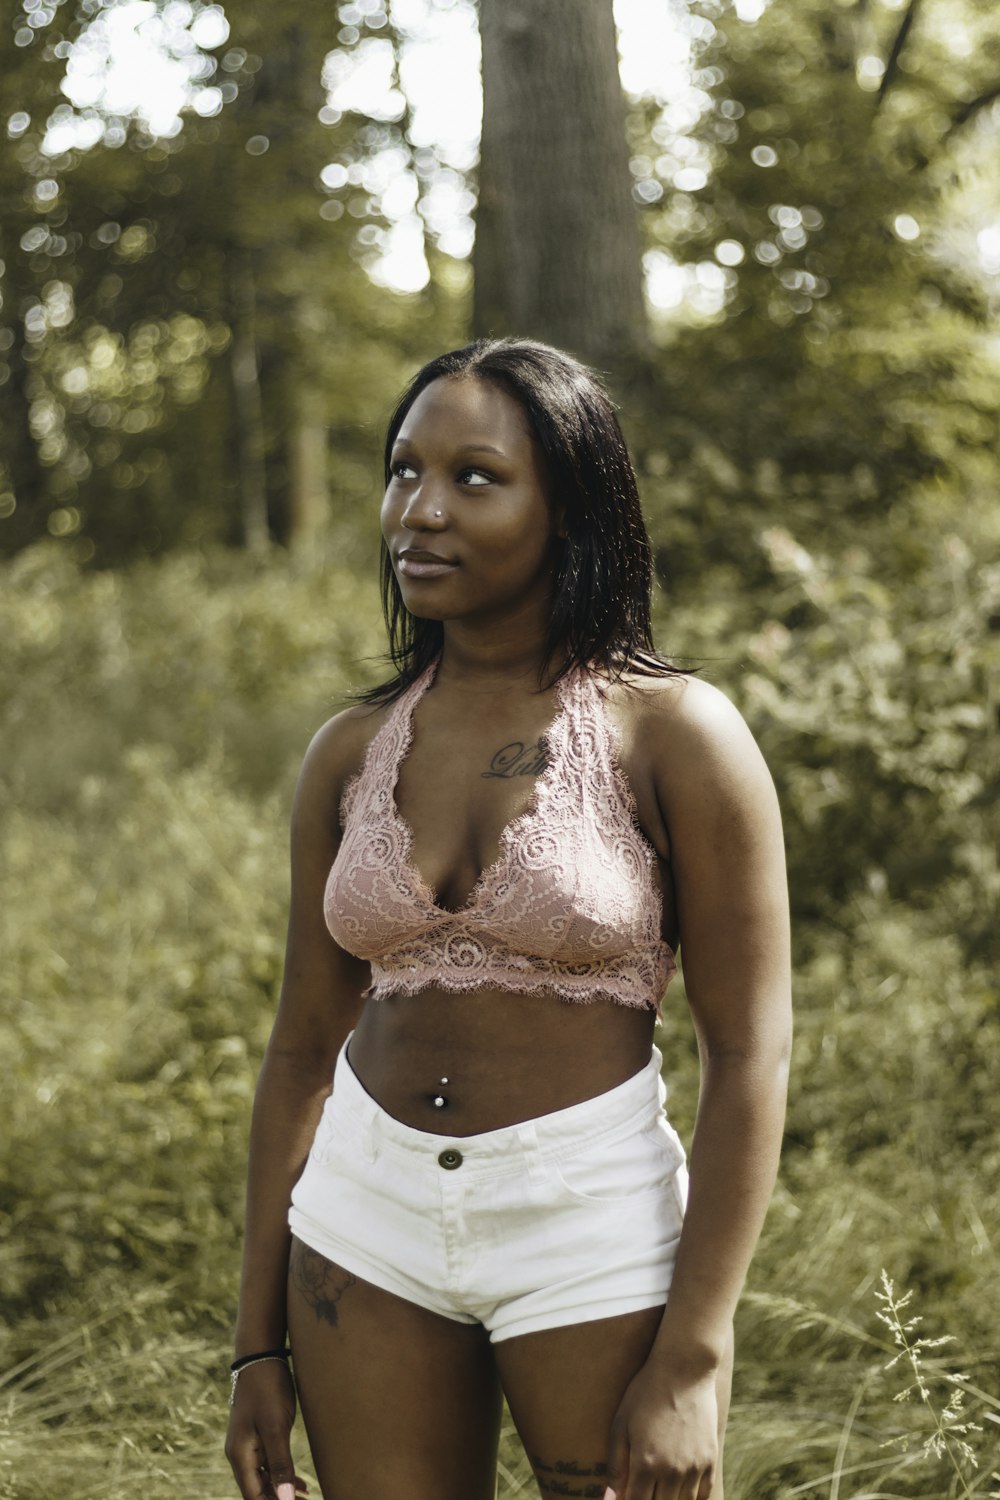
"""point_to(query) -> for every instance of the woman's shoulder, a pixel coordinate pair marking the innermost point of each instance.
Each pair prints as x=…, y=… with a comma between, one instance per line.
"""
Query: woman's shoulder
x=679, y=704
x=690, y=729
x=337, y=750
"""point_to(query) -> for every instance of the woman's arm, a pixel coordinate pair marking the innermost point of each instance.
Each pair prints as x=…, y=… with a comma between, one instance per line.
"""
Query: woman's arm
x=319, y=1004
x=727, y=860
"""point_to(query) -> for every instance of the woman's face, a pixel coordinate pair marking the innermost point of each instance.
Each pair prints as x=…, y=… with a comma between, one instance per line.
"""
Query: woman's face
x=467, y=517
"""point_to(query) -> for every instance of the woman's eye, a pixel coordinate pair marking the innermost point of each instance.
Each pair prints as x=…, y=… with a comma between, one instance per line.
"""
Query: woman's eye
x=476, y=477
x=401, y=469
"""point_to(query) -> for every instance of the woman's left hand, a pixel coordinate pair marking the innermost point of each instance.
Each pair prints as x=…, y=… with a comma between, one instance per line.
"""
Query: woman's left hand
x=665, y=1438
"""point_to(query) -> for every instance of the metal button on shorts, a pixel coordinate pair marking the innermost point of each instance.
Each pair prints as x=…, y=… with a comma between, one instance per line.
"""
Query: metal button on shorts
x=572, y=1216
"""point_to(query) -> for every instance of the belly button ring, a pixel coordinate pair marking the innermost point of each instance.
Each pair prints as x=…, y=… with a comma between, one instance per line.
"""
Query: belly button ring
x=439, y=1101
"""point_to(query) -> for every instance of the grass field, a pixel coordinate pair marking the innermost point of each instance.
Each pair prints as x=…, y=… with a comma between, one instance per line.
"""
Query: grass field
x=152, y=723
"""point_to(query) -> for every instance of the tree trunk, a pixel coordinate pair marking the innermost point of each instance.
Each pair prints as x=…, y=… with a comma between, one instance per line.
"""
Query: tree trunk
x=23, y=480
x=287, y=315
x=248, y=403
x=308, y=496
x=22, y=477
x=557, y=251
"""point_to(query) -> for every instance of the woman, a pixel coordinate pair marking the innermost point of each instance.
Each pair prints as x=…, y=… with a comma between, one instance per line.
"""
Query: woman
x=493, y=863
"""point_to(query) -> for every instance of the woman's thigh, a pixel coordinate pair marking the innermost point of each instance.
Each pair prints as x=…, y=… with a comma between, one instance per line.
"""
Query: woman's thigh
x=397, y=1401
x=564, y=1387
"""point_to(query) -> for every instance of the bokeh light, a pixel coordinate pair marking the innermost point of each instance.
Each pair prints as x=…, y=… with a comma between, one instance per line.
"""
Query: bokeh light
x=906, y=227
x=138, y=60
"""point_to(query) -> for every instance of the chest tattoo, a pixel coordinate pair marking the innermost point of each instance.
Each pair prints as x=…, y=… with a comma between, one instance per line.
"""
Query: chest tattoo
x=518, y=759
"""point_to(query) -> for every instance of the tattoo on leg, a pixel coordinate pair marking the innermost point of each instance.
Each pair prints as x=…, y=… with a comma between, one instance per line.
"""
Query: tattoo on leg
x=567, y=1477
x=321, y=1283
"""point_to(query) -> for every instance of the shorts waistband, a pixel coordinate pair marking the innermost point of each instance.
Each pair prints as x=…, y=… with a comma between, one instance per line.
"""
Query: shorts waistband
x=562, y=1133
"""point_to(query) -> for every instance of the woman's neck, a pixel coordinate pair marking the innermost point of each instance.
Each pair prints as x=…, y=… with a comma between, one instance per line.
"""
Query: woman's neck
x=493, y=659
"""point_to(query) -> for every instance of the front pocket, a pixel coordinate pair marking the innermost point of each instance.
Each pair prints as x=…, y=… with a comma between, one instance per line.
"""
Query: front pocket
x=640, y=1165
x=322, y=1141
x=333, y=1133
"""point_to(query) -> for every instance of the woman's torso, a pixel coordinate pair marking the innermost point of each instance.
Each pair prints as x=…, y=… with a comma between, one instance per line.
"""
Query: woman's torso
x=507, y=1056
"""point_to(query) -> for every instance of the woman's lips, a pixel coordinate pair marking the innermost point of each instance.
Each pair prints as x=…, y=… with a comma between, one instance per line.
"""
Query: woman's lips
x=423, y=567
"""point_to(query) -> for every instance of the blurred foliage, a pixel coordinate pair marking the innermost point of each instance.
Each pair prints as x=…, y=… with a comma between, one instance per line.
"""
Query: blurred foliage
x=818, y=456
x=153, y=721
x=157, y=740
x=183, y=314
x=851, y=354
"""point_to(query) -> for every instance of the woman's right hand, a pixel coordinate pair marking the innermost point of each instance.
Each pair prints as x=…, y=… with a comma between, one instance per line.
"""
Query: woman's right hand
x=258, y=1441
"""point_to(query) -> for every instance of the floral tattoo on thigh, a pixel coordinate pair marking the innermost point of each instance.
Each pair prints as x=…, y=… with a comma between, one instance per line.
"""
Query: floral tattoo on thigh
x=321, y=1283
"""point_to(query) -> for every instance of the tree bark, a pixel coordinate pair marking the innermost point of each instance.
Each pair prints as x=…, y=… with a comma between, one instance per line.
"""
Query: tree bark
x=248, y=403
x=308, y=495
x=21, y=472
x=895, y=52
x=557, y=251
x=963, y=115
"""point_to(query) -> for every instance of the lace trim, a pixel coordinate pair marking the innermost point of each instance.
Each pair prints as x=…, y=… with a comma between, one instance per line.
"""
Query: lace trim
x=624, y=789
x=586, y=993
x=406, y=704
x=510, y=830
x=581, y=825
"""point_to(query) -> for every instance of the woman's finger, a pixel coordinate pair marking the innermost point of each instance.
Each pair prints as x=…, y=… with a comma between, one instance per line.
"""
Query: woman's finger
x=250, y=1471
x=617, y=1462
x=707, y=1483
x=278, y=1463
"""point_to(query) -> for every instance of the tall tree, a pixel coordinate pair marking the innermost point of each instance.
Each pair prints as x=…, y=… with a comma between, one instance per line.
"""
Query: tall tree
x=189, y=344
x=557, y=240
x=822, y=479
x=847, y=360
x=28, y=83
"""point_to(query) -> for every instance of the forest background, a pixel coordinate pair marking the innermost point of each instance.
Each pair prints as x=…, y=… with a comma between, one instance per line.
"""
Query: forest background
x=783, y=246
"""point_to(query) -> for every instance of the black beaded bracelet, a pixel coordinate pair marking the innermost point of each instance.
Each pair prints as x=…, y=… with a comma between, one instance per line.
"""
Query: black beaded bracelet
x=238, y=1365
x=248, y=1359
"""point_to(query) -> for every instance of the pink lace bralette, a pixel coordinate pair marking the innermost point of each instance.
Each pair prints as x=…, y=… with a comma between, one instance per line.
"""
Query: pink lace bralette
x=570, y=904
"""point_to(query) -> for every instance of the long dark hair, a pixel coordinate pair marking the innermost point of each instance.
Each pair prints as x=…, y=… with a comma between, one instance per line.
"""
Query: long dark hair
x=601, y=602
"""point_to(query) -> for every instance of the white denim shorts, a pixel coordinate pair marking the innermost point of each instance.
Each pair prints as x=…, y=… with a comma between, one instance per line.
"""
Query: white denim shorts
x=572, y=1216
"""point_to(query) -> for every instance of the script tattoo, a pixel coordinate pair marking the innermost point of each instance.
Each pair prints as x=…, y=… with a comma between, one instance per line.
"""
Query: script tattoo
x=321, y=1283
x=567, y=1477
x=518, y=759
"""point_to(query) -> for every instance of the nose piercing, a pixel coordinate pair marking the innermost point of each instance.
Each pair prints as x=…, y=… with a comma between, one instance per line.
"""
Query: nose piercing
x=438, y=514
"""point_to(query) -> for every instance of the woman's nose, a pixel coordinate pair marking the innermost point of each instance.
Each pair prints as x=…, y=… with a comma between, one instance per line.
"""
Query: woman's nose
x=424, y=510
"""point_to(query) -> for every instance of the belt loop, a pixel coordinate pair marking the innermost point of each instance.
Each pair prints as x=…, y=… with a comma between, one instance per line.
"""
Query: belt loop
x=662, y=1087
x=370, y=1137
x=359, y=1104
x=527, y=1137
x=370, y=1131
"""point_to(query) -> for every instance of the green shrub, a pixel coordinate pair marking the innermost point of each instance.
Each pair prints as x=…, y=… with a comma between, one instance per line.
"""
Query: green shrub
x=153, y=721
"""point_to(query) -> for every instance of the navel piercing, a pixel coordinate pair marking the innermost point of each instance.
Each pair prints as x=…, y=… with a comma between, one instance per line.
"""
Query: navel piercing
x=439, y=1101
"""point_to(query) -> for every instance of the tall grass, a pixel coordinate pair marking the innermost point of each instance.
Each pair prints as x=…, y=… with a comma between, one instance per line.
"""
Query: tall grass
x=152, y=723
